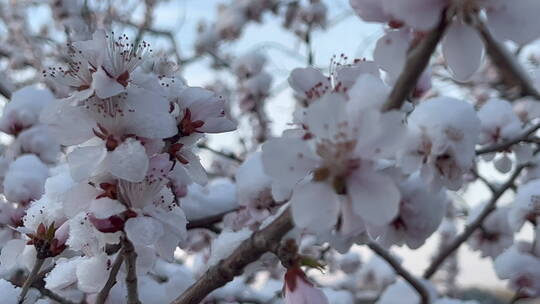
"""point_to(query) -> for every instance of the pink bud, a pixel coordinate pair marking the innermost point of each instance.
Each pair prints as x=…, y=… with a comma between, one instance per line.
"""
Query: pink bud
x=299, y=290
x=62, y=233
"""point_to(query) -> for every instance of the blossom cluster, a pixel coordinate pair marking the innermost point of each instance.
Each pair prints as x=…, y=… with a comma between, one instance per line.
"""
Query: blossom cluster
x=106, y=199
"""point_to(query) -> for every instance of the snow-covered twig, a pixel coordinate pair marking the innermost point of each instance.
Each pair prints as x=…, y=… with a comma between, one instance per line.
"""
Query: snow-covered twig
x=30, y=279
x=111, y=281
x=130, y=257
x=209, y=221
x=249, y=251
x=507, y=144
x=231, y=156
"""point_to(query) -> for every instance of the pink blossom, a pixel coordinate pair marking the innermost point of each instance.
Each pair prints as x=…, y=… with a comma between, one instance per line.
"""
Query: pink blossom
x=299, y=290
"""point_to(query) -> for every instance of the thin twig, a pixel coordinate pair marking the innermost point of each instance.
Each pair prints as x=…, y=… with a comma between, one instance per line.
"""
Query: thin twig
x=230, y=156
x=484, y=180
x=30, y=279
x=249, y=251
x=507, y=144
x=40, y=285
x=458, y=241
x=309, y=47
x=130, y=257
x=209, y=221
x=167, y=34
x=260, y=115
x=518, y=296
x=417, y=61
x=4, y=91
x=111, y=281
x=510, y=70
x=147, y=22
x=406, y=275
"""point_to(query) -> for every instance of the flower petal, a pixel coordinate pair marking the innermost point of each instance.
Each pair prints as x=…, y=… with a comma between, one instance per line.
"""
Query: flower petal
x=143, y=230
x=315, y=206
x=462, y=49
x=375, y=197
x=104, y=85
x=129, y=161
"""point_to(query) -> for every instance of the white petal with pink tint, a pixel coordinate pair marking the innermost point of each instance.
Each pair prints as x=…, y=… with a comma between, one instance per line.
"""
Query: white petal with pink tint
x=515, y=20
x=84, y=160
x=462, y=50
x=105, y=207
x=289, y=167
x=315, y=206
x=104, y=85
x=370, y=10
x=375, y=197
x=143, y=230
x=128, y=161
x=10, y=253
x=391, y=51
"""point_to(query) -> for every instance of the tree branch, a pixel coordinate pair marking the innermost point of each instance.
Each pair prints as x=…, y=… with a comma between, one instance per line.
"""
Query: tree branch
x=506, y=145
x=510, y=70
x=230, y=156
x=406, y=275
x=417, y=61
x=111, y=281
x=30, y=279
x=40, y=285
x=488, y=209
x=249, y=251
x=130, y=257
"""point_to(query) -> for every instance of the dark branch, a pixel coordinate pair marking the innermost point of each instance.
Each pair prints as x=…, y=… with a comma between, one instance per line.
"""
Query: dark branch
x=209, y=221
x=506, y=145
x=406, y=275
x=130, y=257
x=464, y=236
x=111, y=281
x=249, y=251
x=417, y=61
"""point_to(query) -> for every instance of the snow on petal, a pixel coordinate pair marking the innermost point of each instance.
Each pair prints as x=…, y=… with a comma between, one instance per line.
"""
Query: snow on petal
x=143, y=230
x=375, y=197
x=129, y=161
x=315, y=206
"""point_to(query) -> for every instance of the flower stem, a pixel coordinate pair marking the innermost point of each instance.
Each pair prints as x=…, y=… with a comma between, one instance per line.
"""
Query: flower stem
x=130, y=257
x=30, y=279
